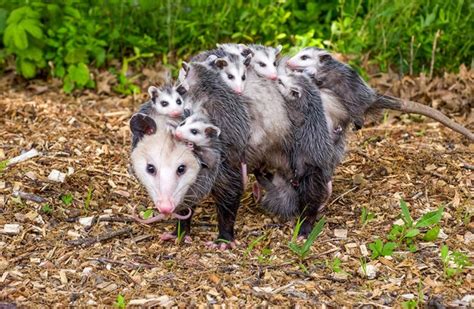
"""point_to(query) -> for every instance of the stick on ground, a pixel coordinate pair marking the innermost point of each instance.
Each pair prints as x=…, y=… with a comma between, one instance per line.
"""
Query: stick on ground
x=92, y=240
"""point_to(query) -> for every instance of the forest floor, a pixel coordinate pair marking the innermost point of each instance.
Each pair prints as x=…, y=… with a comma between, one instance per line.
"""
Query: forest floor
x=87, y=138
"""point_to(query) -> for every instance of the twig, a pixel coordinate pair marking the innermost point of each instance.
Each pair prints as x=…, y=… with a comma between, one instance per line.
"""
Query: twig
x=411, y=55
x=467, y=166
x=342, y=195
x=29, y=197
x=132, y=265
x=23, y=157
x=104, y=219
x=360, y=152
x=92, y=240
x=433, y=52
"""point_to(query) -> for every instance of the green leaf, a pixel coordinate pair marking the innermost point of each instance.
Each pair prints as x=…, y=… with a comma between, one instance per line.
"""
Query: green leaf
x=388, y=248
x=432, y=234
x=68, y=85
x=76, y=55
x=412, y=233
x=27, y=68
x=406, y=213
x=317, y=229
x=445, y=254
x=3, y=165
x=430, y=218
x=79, y=74
x=147, y=213
x=295, y=248
x=32, y=27
x=67, y=199
x=19, y=38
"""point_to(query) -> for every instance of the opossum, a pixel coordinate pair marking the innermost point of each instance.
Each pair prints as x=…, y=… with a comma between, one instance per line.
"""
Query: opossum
x=175, y=175
x=355, y=95
x=232, y=70
x=264, y=58
x=228, y=111
x=166, y=101
x=313, y=154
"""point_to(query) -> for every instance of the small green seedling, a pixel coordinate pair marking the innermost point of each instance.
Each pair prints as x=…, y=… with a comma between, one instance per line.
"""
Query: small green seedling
x=120, y=302
x=363, y=264
x=366, y=216
x=181, y=234
x=264, y=256
x=302, y=251
x=47, y=209
x=415, y=303
x=3, y=165
x=378, y=248
x=335, y=265
x=147, y=213
x=407, y=232
x=253, y=243
x=88, y=200
x=67, y=199
x=454, y=262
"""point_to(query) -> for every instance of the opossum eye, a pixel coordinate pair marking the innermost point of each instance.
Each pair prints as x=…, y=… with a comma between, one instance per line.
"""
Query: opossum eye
x=274, y=64
x=304, y=57
x=164, y=103
x=243, y=77
x=178, y=101
x=182, y=123
x=262, y=64
x=181, y=170
x=150, y=168
x=194, y=131
x=230, y=76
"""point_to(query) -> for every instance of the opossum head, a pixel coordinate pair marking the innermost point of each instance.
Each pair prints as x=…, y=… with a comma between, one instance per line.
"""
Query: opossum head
x=167, y=101
x=165, y=166
x=309, y=57
x=231, y=69
x=236, y=49
x=197, y=129
x=264, y=60
x=289, y=87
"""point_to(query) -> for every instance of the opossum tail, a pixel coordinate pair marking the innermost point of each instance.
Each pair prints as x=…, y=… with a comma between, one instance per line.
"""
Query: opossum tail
x=388, y=102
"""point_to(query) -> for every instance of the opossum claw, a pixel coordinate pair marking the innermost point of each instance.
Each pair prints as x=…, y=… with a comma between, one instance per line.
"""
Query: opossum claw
x=221, y=245
x=183, y=217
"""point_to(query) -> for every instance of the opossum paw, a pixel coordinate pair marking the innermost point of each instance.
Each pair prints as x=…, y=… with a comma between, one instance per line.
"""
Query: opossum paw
x=170, y=236
x=221, y=245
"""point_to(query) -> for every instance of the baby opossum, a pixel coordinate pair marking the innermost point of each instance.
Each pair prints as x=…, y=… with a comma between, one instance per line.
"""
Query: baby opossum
x=355, y=95
x=175, y=176
x=228, y=111
x=264, y=58
x=232, y=70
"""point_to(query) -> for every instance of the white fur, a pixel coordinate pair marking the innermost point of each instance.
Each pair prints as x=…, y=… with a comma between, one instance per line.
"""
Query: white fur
x=193, y=129
x=174, y=102
x=263, y=64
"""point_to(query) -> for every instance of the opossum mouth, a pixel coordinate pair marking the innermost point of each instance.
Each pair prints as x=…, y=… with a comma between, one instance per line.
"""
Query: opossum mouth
x=161, y=217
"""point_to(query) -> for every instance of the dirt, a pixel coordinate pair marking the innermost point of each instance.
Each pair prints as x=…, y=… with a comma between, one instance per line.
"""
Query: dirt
x=86, y=137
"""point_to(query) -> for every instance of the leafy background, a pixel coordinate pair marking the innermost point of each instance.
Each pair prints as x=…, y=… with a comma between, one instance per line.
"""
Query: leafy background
x=65, y=39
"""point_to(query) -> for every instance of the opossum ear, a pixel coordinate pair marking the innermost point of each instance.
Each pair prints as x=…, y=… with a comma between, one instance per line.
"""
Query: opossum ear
x=247, y=60
x=153, y=92
x=278, y=49
x=141, y=124
x=295, y=92
x=212, y=131
x=246, y=51
x=186, y=112
x=325, y=58
x=220, y=63
x=181, y=89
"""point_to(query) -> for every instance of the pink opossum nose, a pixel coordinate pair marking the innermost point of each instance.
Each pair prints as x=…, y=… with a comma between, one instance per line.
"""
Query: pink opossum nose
x=165, y=207
x=178, y=135
x=273, y=77
x=238, y=90
x=175, y=114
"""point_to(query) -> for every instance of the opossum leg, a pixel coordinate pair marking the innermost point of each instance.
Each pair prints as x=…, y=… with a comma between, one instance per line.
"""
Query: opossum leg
x=184, y=226
x=314, y=191
x=227, y=192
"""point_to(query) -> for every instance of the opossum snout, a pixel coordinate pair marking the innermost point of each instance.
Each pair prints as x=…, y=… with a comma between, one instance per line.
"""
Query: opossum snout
x=178, y=135
x=165, y=206
x=176, y=114
x=273, y=77
x=238, y=90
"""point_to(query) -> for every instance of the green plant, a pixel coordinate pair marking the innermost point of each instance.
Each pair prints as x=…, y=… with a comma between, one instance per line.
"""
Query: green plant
x=366, y=216
x=378, y=248
x=302, y=250
x=47, y=209
x=147, y=213
x=90, y=191
x=253, y=243
x=453, y=262
x=264, y=256
x=67, y=199
x=125, y=85
x=406, y=233
x=335, y=265
x=3, y=165
x=180, y=233
x=24, y=37
x=120, y=302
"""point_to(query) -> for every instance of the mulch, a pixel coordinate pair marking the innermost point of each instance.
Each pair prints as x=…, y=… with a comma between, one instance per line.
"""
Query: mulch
x=58, y=258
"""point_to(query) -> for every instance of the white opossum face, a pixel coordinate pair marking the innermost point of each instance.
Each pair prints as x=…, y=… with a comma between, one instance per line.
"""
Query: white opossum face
x=233, y=72
x=264, y=61
x=288, y=87
x=166, y=167
x=308, y=57
x=167, y=101
x=197, y=130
